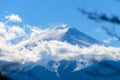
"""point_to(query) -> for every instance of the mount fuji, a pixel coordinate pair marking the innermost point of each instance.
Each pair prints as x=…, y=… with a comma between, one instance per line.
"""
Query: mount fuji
x=68, y=34
x=60, y=53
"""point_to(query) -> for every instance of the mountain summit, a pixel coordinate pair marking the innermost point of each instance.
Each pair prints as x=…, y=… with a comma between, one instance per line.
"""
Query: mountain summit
x=68, y=34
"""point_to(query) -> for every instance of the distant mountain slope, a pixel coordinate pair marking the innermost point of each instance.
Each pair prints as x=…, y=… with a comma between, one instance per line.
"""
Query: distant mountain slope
x=74, y=36
x=104, y=70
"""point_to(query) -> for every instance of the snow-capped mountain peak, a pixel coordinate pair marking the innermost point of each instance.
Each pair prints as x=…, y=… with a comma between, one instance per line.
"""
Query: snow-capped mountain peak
x=64, y=33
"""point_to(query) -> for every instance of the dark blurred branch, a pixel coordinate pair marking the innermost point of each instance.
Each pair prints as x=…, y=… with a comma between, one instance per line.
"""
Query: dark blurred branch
x=90, y=15
x=111, y=33
x=103, y=17
x=3, y=77
x=100, y=17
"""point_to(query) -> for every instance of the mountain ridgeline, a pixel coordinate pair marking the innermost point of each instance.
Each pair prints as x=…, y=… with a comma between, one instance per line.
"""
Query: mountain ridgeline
x=74, y=36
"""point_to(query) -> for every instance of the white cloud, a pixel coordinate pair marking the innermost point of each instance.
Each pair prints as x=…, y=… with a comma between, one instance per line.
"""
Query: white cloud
x=17, y=30
x=107, y=41
x=13, y=18
x=48, y=34
x=99, y=30
x=110, y=40
x=2, y=27
x=9, y=32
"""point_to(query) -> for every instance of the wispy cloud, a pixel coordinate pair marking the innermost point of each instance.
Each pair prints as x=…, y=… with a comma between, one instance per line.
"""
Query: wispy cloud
x=107, y=41
x=13, y=18
x=110, y=40
x=99, y=30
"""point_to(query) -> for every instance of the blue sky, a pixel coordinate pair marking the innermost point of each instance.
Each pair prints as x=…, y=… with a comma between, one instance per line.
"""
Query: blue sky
x=47, y=13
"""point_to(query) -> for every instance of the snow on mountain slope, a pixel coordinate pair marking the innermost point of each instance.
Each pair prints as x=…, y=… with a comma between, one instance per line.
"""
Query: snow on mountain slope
x=65, y=33
x=74, y=36
x=52, y=53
